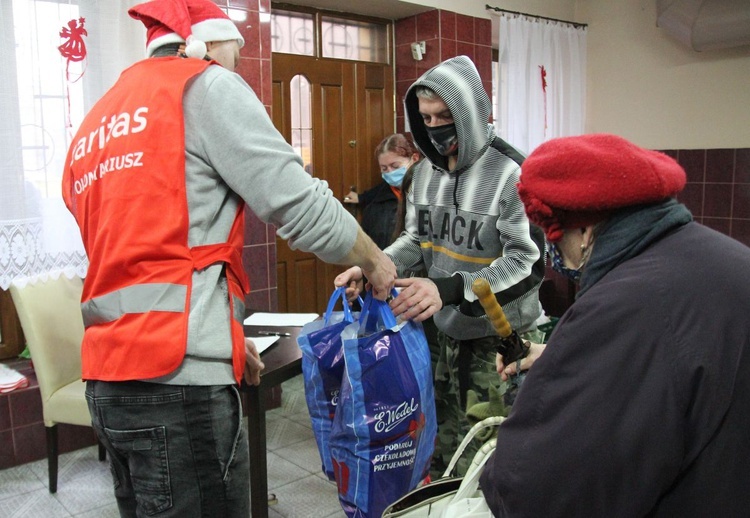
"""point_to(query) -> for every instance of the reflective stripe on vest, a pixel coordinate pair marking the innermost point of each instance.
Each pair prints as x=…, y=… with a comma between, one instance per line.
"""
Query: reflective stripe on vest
x=143, y=298
x=140, y=298
x=239, y=309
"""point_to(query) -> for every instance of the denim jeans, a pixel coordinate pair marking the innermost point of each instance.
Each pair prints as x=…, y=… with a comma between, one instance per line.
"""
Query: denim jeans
x=175, y=451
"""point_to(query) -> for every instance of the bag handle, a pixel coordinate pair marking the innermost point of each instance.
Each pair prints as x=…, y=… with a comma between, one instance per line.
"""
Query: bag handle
x=374, y=311
x=466, y=497
x=494, y=420
x=338, y=293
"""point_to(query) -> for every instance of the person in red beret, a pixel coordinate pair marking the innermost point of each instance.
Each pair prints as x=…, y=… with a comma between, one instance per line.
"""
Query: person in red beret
x=639, y=404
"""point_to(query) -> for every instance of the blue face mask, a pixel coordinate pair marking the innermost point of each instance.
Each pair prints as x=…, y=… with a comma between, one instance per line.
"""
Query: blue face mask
x=395, y=177
x=559, y=265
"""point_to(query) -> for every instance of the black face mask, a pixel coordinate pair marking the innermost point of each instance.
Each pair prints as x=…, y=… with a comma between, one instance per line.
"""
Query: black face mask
x=444, y=138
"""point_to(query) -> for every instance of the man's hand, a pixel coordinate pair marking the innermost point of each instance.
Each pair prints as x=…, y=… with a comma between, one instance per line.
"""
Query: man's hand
x=253, y=365
x=353, y=280
x=419, y=299
x=373, y=264
x=380, y=279
x=535, y=351
x=381, y=275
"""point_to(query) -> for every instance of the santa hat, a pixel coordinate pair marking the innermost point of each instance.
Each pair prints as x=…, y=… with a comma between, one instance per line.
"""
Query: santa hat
x=573, y=182
x=191, y=21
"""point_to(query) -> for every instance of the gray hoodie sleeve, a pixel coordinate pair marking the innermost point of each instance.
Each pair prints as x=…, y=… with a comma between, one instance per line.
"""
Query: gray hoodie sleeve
x=238, y=140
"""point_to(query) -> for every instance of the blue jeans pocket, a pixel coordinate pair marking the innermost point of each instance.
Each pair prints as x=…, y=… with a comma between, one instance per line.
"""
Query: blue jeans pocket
x=149, y=467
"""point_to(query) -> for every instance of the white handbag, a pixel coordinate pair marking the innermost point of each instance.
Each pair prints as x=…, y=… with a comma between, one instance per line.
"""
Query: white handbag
x=451, y=496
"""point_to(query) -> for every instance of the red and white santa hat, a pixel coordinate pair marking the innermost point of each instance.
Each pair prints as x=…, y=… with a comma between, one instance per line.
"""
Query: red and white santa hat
x=191, y=21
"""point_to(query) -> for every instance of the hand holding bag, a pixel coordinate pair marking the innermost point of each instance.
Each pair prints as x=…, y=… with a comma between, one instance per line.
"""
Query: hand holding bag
x=451, y=496
x=322, y=369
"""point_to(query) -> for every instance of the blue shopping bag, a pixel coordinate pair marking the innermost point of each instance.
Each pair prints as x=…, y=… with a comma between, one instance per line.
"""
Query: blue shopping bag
x=322, y=369
x=384, y=429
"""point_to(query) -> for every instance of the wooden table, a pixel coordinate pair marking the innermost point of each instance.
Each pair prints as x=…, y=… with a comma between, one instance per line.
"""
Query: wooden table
x=283, y=361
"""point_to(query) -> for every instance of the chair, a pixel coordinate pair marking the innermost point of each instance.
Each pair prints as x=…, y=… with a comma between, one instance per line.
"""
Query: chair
x=50, y=315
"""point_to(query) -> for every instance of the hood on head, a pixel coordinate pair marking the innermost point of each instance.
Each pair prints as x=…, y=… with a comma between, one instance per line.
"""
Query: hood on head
x=457, y=82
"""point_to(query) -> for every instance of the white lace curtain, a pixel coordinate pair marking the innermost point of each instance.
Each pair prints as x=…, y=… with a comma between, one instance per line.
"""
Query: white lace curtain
x=540, y=80
x=43, y=98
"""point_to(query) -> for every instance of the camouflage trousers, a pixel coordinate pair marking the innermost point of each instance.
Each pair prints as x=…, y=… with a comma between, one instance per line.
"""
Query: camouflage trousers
x=460, y=366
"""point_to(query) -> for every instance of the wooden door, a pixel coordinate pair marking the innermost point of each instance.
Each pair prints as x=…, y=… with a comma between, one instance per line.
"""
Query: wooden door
x=352, y=110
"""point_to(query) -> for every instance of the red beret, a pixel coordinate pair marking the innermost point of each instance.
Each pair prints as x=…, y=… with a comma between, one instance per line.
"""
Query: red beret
x=572, y=182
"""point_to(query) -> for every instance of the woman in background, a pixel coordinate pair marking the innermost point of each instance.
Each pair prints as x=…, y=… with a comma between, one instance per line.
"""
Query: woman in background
x=395, y=154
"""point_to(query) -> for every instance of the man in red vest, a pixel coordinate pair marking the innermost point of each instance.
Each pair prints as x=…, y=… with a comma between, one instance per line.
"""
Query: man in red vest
x=157, y=178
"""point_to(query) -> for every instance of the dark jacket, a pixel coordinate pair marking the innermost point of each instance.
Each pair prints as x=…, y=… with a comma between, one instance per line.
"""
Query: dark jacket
x=640, y=404
x=379, y=213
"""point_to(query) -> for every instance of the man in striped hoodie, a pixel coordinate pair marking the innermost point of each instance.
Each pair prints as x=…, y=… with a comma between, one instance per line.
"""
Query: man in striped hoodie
x=464, y=221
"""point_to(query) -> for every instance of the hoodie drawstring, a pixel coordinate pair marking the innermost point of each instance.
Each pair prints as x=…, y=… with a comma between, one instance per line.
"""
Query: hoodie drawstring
x=455, y=196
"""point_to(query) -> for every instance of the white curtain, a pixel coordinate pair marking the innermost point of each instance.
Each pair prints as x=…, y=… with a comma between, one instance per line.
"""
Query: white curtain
x=43, y=98
x=540, y=80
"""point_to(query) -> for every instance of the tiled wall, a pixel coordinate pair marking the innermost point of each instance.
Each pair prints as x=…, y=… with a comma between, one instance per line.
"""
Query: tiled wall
x=717, y=193
x=718, y=188
x=446, y=34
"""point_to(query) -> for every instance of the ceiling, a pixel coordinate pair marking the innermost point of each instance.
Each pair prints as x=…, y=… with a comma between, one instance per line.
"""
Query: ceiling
x=388, y=9
x=706, y=24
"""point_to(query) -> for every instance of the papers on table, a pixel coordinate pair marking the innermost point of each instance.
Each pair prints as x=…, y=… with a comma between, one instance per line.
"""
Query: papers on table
x=263, y=342
x=280, y=319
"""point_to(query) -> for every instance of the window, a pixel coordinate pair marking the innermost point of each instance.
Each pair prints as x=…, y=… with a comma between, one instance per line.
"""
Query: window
x=302, y=119
x=349, y=39
x=292, y=33
x=44, y=95
x=329, y=36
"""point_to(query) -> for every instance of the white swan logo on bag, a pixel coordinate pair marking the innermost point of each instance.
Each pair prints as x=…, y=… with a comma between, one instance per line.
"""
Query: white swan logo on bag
x=389, y=419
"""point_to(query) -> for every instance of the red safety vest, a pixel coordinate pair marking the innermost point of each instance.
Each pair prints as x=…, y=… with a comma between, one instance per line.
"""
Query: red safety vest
x=124, y=182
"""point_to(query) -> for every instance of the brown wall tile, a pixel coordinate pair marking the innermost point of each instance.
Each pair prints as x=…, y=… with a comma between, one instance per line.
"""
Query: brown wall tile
x=742, y=165
x=464, y=28
x=447, y=25
x=259, y=300
x=483, y=31
x=692, y=197
x=29, y=443
x=741, y=201
x=741, y=230
x=255, y=229
x=694, y=163
x=720, y=165
x=25, y=407
x=717, y=200
x=448, y=49
x=718, y=224
x=406, y=30
x=428, y=25
x=430, y=58
x=465, y=49
x=5, y=423
x=483, y=61
x=406, y=67
x=7, y=452
x=250, y=30
x=256, y=261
